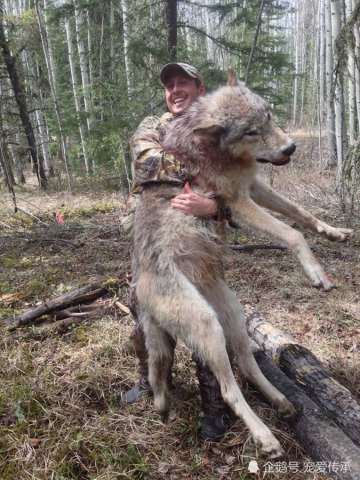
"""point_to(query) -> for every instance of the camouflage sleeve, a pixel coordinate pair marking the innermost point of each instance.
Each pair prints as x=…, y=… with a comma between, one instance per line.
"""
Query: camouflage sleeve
x=150, y=162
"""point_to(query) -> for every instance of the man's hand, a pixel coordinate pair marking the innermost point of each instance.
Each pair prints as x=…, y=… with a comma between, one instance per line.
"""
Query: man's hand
x=192, y=203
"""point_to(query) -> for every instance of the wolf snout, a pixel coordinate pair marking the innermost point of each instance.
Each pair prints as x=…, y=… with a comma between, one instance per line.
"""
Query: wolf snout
x=289, y=149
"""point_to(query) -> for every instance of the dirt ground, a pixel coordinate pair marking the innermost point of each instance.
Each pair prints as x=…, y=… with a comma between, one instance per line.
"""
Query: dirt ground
x=61, y=417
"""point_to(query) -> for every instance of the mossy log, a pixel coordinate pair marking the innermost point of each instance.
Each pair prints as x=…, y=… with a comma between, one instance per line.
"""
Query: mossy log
x=337, y=401
x=310, y=374
x=320, y=437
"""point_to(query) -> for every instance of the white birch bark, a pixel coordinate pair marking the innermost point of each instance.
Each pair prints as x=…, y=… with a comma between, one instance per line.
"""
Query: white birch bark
x=351, y=84
x=297, y=56
x=52, y=64
x=322, y=62
x=45, y=45
x=124, y=12
x=330, y=116
x=83, y=63
x=357, y=67
x=339, y=93
x=74, y=83
x=90, y=51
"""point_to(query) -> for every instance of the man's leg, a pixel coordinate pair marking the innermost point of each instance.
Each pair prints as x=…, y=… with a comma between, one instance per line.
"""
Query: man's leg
x=218, y=417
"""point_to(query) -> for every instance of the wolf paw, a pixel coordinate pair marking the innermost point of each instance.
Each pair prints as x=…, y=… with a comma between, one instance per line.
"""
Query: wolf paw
x=319, y=279
x=286, y=409
x=269, y=445
x=332, y=233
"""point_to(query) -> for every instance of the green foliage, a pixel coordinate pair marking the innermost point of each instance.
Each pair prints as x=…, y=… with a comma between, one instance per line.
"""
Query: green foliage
x=121, y=99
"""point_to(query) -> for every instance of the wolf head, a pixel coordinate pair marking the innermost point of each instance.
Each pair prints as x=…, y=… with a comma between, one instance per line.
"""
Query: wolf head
x=233, y=121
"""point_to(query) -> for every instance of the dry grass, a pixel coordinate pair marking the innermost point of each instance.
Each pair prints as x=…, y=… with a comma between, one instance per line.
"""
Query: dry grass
x=60, y=412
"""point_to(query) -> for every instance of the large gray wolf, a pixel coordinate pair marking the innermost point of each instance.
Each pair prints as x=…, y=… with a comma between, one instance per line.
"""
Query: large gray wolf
x=180, y=287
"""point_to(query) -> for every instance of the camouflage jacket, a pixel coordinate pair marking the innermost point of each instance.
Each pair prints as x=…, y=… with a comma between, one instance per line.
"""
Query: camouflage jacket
x=151, y=164
x=149, y=161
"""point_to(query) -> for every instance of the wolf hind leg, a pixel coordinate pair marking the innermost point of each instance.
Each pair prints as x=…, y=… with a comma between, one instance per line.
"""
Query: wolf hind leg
x=184, y=312
x=160, y=347
x=232, y=317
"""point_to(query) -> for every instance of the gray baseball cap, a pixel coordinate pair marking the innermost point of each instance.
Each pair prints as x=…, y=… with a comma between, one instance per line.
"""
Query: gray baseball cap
x=170, y=68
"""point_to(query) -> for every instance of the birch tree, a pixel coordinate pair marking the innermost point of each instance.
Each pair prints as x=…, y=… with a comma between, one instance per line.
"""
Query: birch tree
x=338, y=93
x=51, y=78
x=83, y=62
x=75, y=87
x=125, y=23
x=330, y=115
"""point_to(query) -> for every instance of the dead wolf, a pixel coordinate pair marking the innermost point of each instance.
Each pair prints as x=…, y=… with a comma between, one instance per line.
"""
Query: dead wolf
x=180, y=287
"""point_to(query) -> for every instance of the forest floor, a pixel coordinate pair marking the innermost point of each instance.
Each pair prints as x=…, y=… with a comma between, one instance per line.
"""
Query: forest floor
x=61, y=417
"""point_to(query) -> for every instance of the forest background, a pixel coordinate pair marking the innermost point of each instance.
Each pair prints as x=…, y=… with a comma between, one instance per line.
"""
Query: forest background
x=77, y=77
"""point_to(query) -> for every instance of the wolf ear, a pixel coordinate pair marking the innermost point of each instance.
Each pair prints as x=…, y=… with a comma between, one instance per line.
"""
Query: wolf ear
x=232, y=80
x=210, y=130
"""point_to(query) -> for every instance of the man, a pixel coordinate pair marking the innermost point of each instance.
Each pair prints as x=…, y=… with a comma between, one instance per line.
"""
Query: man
x=183, y=85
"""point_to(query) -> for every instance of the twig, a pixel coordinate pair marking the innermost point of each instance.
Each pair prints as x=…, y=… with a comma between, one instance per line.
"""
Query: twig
x=251, y=248
x=33, y=216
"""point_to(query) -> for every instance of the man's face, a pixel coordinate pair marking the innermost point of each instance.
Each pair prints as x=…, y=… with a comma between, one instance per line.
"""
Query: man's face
x=180, y=92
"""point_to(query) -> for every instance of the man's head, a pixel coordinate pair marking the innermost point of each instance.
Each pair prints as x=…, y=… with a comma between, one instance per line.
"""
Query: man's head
x=183, y=84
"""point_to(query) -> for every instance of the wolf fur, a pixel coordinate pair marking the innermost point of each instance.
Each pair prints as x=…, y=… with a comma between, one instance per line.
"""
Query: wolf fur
x=180, y=287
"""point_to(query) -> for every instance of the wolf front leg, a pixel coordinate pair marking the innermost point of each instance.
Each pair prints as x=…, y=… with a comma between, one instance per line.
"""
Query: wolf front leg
x=265, y=196
x=249, y=212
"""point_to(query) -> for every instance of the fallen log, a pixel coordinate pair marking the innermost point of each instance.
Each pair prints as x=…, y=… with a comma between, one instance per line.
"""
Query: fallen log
x=86, y=294
x=301, y=366
x=320, y=437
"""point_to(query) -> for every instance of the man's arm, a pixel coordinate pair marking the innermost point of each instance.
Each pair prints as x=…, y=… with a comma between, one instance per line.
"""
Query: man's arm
x=151, y=164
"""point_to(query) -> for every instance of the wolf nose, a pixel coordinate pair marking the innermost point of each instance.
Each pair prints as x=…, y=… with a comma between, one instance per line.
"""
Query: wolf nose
x=289, y=150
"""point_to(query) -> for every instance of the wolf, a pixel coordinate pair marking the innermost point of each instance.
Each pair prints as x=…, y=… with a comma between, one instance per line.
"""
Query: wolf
x=180, y=288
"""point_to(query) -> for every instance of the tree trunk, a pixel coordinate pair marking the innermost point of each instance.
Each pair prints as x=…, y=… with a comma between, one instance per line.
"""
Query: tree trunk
x=322, y=63
x=297, y=62
x=90, y=50
x=74, y=84
x=171, y=21
x=339, y=94
x=125, y=22
x=330, y=115
x=112, y=46
x=6, y=168
x=357, y=68
x=51, y=78
x=20, y=97
x=83, y=63
x=351, y=84
x=253, y=46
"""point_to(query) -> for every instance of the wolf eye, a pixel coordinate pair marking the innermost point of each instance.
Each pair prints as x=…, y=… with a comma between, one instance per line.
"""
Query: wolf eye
x=252, y=133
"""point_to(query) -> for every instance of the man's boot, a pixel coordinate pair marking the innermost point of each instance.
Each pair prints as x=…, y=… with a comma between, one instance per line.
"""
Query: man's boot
x=142, y=387
x=218, y=417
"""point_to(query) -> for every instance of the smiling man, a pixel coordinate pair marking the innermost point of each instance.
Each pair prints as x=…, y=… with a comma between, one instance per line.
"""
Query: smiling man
x=183, y=84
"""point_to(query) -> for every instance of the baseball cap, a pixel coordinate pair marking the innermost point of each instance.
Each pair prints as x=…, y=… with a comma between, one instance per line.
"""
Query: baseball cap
x=170, y=68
